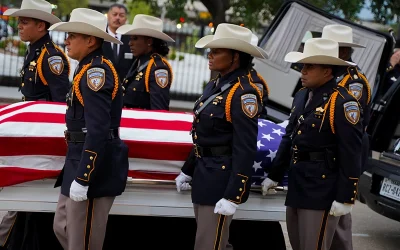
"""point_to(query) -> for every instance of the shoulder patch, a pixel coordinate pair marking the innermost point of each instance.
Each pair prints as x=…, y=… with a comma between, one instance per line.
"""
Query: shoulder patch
x=96, y=78
x=352, y=112
x=356, y=89
x=249, y=104
x=56, y=64
x=161, y=76
x=259, y=86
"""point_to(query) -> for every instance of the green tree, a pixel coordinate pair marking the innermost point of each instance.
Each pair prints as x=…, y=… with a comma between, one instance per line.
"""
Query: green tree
x=139, y=7
x=385, y=11
x=64, y=7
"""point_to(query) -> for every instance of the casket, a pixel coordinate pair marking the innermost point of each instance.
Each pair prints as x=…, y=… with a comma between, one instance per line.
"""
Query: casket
x=32, y=144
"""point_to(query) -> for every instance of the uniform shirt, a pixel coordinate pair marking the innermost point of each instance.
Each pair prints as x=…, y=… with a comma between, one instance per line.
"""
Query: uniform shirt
x=95, y=107
x=358, y=87
x=332, y=127
x=262, y=85
x=44, y=75
x=147, y=83
x=230, y=120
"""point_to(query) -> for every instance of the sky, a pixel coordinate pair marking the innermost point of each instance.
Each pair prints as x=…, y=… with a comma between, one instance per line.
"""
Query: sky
x=365, y=13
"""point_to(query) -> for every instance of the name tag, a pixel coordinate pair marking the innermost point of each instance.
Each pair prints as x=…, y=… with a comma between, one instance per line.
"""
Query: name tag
x=128, y=56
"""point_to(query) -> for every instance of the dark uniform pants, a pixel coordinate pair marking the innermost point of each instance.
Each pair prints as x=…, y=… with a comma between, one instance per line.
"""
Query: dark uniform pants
x=212, y=229
x=342, y=240
x=82, y=225
x=6, y=226
x=311, y=229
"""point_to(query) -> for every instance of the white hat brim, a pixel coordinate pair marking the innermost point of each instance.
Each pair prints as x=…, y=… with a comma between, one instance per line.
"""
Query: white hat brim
x=353, y=45
x=231, y=43
x=84, y=28
x=298, y=57
x=33, y=13
x=127, y=29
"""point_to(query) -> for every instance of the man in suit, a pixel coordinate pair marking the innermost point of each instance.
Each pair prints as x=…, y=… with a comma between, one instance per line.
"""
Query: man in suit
x=120, y=55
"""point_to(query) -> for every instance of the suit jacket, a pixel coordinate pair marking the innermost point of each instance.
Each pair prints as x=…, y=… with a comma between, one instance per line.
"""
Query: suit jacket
x=123, y=64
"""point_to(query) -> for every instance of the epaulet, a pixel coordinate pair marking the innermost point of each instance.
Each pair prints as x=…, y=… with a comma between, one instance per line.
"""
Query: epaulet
x=156, y=59
x=242, y=81
x=253, y=74
x=303, y=88
x=95, y=61
x=353, y=73
x=50, y=48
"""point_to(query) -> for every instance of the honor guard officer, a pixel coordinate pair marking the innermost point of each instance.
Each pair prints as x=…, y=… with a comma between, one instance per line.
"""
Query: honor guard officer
x=357, y=84
x=224, y=135
x=322, y=147
x=96, y=164
x=149, y=79
x=259, y=81
x=44, y=74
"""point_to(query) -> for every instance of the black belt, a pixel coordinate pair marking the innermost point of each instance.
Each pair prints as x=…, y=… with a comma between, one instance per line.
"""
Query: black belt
x=25, y=99
x=307, y=156
x=79, y=137
x=212, y=151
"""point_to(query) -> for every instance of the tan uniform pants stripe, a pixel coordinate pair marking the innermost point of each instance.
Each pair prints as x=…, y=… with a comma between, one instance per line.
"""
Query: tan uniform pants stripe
x=82, y=225
x=6, y=227
x=310, y=229
x=212, y=229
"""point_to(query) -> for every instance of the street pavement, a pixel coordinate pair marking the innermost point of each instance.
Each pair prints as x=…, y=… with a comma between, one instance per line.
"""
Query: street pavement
x=371, y=231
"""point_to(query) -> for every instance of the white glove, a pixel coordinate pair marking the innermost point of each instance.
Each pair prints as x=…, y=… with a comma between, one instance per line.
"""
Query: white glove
x=77, y=192
x=339, y=209
x=182, y=182
x=267, y=184
x=225, y=207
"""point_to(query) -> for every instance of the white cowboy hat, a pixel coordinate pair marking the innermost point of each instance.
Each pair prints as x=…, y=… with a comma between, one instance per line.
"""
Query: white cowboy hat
x=145, y=25
x=38, y=9
x=88, y=22
x=318, y=51
x=341, y=34
x=254, y=40
x=231, y=36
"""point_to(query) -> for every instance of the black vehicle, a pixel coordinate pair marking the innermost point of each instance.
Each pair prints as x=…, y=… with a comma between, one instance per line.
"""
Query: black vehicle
x=379, y=186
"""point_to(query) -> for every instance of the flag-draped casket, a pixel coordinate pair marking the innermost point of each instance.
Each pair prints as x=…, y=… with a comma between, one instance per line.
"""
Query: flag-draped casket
x=32, y=144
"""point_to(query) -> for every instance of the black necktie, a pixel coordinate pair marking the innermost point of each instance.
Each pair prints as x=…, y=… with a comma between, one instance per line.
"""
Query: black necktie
x=115, y=50
x=310, y=95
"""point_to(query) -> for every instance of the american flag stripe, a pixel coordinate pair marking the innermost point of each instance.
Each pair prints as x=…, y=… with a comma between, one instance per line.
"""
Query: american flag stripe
x=33, y=146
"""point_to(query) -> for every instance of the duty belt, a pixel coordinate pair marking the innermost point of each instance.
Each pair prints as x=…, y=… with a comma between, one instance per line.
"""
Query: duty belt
x=212, y=151
x=307, y=155
x=79, y=137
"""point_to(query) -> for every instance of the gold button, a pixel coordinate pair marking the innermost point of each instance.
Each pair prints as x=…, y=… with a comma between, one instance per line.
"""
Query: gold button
x=223, y=167
x=355, y=184
x=240, y=189
x=91, y=157
x=134, y=89
x=198, y=120
x=243, y=181
x=30, y=79
x=237, y=197
x=126, y=81
x=201, y=104
x=85, y=175
x=352, y=199
x=355, y=192
x=323, y=176
x=88, y=166
x=211, y=114
x=313, y=125
x=334, y=159
x=195, y=137
x=22, y=84
x=299, y=133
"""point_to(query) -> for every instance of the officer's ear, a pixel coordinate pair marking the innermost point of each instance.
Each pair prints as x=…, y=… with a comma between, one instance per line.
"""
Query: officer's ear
x=149, y=41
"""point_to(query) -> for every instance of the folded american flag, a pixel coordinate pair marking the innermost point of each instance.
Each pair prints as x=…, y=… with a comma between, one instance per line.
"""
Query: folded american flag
x=32, y=145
